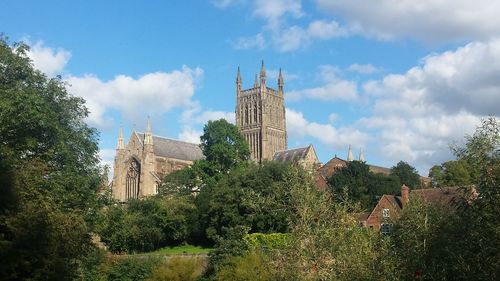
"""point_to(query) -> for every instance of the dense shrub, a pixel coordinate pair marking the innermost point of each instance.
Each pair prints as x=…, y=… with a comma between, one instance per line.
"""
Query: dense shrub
x=178, y=269
x=253, y=266
x=131, y=269
x=267, y=241
x=146, y=225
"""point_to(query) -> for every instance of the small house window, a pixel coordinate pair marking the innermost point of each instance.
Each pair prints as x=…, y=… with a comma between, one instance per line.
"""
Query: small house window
x=385, y=213
x=385, y=228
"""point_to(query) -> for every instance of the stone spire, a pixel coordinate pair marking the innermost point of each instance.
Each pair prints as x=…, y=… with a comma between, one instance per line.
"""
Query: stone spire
x=361, y=155
x=349, y=154
x=280, y=82
x=256, y=82
x=262, y=74
x=148, y=136
x=121, y=144
x=238, y=80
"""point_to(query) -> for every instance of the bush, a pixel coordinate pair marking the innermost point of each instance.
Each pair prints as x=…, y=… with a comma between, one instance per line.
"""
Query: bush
x=250, y=267
x=267, y=241
x=179, y=269
x=131, y=269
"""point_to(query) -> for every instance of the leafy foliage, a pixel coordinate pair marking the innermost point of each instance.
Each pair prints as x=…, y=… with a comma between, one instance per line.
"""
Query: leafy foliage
x=49, y=172
x=131, y=269
x=355, y=182
x=223, y=145
x=146, y=225
x=406, y=174
x=178, y=269
x=451, y=173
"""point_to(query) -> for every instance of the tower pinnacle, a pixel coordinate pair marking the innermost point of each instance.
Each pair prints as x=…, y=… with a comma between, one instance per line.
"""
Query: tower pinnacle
x=148, y=136
x=349, y=154
x=238, y=77
x=361, y=156
x=280, y=81
x=262, y=74
x=256, y=82
x=121, y=144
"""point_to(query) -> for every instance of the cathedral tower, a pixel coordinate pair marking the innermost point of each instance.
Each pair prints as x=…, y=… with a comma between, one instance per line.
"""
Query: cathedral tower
x=260, y=116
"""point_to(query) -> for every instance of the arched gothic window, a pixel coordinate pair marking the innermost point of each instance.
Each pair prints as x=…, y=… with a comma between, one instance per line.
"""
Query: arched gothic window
x=133, y=179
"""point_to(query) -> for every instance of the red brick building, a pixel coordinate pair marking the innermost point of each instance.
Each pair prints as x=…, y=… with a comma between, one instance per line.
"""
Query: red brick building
x=389, y=207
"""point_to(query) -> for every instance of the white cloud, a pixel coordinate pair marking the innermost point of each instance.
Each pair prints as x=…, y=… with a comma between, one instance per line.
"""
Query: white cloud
x=418, y=114
x=333, y=88
x=191, y=135
x=426, y=20
x=274, y=11
x=48, y=60
x=296, y=37
x=157, y=92
x=252, y=42
x=363, y=68
x=338, y=138
x=194, y=118
x=107, y=156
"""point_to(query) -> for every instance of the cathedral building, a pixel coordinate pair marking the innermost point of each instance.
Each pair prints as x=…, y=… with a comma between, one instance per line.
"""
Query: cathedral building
x=144, y=160
x=260, y=116
x=141, y=164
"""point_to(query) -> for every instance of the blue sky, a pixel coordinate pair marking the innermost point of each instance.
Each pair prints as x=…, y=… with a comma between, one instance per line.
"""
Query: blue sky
x=401, y=80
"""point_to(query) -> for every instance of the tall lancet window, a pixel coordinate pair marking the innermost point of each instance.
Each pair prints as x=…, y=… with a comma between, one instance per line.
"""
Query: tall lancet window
x=133, y=178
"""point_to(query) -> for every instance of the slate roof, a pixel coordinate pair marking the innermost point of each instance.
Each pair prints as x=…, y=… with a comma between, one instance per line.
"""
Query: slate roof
x=291, y=155
x=175, y=149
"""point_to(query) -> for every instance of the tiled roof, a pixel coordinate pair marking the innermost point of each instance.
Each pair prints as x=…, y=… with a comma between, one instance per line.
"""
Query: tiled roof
x=291, y=155
x=175, y=149
x=448, y=196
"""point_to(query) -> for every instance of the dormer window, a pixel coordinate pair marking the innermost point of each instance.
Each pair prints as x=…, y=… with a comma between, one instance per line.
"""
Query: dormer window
x=385, y=213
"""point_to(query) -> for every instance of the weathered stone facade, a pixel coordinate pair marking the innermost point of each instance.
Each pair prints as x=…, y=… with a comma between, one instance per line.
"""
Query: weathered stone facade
x=260, y=116
x=142, y=163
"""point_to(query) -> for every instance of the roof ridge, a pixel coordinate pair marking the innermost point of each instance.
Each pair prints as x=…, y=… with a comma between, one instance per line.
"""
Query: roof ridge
x=167, y=138
x=292, y=149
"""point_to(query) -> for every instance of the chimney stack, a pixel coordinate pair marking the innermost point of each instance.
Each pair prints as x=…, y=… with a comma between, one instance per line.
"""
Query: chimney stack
x=405, y=195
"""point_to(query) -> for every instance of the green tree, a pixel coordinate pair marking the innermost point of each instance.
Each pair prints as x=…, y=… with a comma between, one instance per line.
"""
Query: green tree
x=50, y=172
x=407, y=174
x=355, y=182
x=246, y=196
x=223, y=145
x=451, y=173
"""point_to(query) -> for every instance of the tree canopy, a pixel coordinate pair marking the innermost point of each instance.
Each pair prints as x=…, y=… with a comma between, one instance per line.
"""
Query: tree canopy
x=407, y=174
x=223, y=145
x=355, y=182
x=49, y=172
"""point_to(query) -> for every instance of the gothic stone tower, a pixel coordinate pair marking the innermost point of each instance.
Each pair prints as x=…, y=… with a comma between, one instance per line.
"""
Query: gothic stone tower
x=260, y=116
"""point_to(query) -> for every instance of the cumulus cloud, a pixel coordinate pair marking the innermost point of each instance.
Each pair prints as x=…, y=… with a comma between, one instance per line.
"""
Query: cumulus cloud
x=251, y=42
x=419, y=113
x=333, y=88
x=193, y=118
x=363, y=68
x=338, y=138
x=426, y=20
x=297, y=37
x=274, y=11
x=48, y=60
x=158, y=92
x=465, y=79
